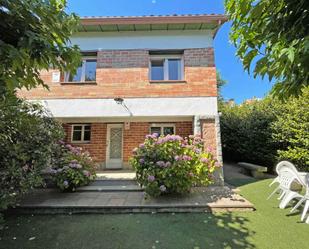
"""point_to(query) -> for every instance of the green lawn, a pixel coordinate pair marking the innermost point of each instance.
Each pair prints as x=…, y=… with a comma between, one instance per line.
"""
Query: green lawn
x=268, y=227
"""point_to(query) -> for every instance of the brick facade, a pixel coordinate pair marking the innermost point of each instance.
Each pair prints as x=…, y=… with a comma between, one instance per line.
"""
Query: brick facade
x=125, y=73
x=97, y=145
x=131, y=138
x=209, y=134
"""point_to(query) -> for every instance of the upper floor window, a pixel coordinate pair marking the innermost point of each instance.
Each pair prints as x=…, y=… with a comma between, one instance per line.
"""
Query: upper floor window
x=166, y=68
x=85, y=72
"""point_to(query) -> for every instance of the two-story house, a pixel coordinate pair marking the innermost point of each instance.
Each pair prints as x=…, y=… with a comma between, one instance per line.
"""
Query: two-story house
x=138, y=75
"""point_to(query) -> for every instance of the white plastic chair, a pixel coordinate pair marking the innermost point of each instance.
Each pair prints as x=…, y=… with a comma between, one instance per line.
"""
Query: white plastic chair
x=278, y=167
x=305, y=199
x=287, y=176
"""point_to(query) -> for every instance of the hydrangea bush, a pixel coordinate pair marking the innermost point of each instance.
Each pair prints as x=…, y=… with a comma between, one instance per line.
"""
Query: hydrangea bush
x=172, y=164
x=72, y=167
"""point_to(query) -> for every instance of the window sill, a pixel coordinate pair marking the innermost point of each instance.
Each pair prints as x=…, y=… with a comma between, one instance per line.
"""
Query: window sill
x=168, y=81
x=80, y=142
x=79, y=83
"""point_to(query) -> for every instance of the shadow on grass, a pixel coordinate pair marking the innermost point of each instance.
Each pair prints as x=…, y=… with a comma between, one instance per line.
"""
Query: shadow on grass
x=241, y=182
x=179, y=231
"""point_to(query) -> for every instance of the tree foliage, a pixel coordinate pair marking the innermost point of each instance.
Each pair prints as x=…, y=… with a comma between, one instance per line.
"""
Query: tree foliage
x=34, y=36
x=274, y=36
x=220, y=83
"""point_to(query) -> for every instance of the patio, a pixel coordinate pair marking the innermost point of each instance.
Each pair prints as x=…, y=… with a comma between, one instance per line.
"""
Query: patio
x=117, y=192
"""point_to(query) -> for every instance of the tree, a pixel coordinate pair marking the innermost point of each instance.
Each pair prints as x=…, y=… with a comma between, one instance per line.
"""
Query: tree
x=34, y=36
x=273, y=35
x=220, y=83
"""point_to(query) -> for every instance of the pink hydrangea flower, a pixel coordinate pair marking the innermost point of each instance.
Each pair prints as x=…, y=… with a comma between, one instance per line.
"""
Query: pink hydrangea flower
x=86, y=173
x=162, y=188
x=151, y=178
x=204, y=160
x=186, y=158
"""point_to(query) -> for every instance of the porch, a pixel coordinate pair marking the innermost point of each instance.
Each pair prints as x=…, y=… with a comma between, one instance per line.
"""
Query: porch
x=117, y=192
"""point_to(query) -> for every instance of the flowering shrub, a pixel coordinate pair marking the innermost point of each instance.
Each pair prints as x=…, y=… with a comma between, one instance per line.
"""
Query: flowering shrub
x=172, y=164
x=72, y=167
x=28, y=134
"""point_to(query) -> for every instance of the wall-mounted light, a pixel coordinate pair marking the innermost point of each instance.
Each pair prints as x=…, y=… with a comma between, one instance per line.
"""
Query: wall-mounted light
x=119, y=101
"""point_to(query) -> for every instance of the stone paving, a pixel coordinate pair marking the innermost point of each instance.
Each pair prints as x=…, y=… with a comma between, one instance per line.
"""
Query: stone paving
x=117, y=199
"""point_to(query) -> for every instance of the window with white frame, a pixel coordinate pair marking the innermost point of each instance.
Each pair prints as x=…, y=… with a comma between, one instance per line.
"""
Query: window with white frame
x=166, y=67
x=85, y=72
x=81, y=133
x=162, y=129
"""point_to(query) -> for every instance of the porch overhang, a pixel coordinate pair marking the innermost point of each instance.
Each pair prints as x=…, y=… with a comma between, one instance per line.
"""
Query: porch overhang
x=131, y=108
x=152, y=23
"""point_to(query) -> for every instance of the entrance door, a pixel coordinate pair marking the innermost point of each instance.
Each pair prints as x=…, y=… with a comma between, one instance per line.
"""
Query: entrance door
x=114, y=146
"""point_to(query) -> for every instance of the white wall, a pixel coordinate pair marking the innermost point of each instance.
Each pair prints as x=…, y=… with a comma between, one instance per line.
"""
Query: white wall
x=164, y=39
x=137, y=107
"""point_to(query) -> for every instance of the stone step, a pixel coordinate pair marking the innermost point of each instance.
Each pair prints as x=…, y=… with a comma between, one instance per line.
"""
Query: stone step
x=113, y=182
x=112, y=188
x=115, y=175
x=51, y=201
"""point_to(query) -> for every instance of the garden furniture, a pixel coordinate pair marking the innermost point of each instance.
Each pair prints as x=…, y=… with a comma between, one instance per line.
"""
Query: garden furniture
x=305, y=199
x=290, y=181
x=255, y=170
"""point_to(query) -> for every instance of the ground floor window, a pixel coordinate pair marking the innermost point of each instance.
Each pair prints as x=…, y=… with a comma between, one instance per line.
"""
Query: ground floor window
x=81, y=133
x=162, y=129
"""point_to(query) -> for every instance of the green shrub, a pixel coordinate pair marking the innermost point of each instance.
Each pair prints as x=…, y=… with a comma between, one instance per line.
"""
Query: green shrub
x=291, y=131
x=172, y=164
x=27, y=138
x=267, y=131
x=71, y=167
x=247, y=134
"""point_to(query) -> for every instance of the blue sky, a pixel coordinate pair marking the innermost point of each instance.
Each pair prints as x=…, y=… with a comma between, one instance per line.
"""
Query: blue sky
x=240, y=85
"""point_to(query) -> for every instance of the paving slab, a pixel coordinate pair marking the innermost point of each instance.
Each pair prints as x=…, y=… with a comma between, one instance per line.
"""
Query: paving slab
x=212, y=198
x=115, y=175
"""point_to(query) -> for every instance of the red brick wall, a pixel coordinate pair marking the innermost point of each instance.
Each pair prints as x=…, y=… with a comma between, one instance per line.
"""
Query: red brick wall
x=124, y=73
x=209, y=134
x=97, y=145
x=131, y=138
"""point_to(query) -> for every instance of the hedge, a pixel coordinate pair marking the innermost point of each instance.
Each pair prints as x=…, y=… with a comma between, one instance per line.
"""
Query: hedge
x=267, y=131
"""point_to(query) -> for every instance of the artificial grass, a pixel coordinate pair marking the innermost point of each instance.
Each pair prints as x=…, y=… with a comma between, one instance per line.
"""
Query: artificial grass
x=267, y=228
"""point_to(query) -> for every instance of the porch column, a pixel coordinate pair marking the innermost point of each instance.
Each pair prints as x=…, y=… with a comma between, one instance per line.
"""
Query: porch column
x=208, y=127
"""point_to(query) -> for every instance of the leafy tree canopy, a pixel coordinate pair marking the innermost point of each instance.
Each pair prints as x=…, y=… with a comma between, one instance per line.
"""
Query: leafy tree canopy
x=220, y=83
x=275, y=35
x=34, y=36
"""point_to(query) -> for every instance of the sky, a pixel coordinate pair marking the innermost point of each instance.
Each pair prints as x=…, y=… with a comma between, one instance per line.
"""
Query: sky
x=240, y=85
